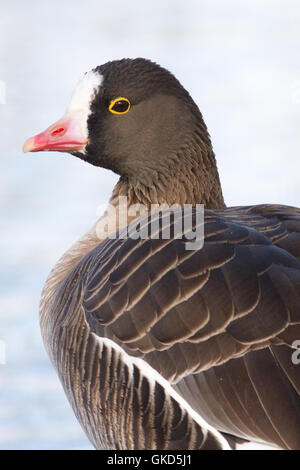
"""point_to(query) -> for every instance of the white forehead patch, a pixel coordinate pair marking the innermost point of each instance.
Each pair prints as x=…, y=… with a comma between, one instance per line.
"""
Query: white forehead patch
x=83, y=96
x=84, y=91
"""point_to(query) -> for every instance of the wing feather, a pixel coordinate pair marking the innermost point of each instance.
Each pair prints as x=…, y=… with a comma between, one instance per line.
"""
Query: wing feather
x=194, y=314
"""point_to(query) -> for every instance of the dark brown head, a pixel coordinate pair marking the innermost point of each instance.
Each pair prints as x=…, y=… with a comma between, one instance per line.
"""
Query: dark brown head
x=133, y=117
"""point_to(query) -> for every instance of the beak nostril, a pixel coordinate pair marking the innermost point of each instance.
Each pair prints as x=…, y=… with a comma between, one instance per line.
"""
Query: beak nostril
x=64, y=135
x=58, y=131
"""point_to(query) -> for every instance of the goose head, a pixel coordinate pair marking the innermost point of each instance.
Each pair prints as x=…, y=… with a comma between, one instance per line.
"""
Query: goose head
x=135, y=118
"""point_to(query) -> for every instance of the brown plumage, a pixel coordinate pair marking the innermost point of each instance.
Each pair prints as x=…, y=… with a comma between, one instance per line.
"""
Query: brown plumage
x=217, y=323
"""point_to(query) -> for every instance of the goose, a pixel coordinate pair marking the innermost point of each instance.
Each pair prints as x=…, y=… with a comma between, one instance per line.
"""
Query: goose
x=158, y=346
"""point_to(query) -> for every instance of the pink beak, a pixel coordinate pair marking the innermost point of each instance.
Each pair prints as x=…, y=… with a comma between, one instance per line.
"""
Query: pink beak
x=66, y=134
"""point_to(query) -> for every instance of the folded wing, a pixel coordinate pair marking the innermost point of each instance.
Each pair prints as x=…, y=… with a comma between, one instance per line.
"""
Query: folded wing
x=218, y=323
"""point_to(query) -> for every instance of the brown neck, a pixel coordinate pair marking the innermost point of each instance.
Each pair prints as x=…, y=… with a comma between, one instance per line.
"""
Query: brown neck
x=184, y=181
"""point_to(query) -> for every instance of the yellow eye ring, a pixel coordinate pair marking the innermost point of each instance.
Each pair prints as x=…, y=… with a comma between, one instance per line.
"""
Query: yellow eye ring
x=119, y=106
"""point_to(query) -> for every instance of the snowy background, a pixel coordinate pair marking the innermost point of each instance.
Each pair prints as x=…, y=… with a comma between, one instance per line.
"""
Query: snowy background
x=241, y=63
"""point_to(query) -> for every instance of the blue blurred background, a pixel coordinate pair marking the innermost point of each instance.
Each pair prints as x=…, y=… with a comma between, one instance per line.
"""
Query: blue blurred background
x=240, y=62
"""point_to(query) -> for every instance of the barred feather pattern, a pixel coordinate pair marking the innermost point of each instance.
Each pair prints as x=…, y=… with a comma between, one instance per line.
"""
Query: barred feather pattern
x=215, y=326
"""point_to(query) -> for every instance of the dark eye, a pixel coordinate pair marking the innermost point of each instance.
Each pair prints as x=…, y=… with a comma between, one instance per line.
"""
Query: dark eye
x=119, y=106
